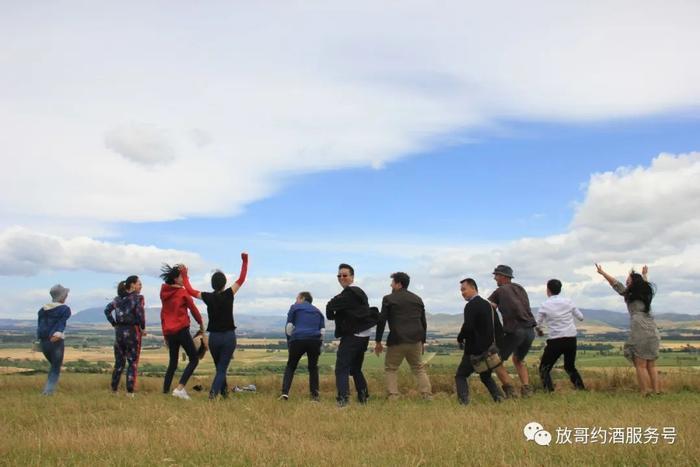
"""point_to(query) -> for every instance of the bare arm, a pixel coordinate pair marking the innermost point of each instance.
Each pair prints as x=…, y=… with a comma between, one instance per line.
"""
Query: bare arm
x=645, y=273
x=611, y=280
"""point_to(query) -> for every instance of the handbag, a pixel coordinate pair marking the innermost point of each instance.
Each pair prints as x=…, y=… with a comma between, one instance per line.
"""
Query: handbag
x=490, y=359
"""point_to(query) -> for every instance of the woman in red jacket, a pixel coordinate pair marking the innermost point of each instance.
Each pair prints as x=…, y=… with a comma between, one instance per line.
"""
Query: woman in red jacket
x=176, y=327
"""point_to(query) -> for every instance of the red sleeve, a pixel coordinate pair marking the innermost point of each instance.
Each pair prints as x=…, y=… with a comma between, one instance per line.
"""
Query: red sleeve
x=194, y=310
x=188, y=286
x=244, y=271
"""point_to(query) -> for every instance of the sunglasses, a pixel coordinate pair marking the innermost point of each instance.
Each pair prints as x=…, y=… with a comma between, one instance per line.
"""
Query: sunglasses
x=343, y=275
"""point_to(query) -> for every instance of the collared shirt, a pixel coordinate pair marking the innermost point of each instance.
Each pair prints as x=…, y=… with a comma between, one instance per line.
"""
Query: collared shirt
x=558, y=314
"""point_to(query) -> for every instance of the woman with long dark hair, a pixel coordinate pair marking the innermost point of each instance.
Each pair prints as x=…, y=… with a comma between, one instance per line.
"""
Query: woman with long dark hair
x=176, y=327
x=221, y=327
x=642, y=347
x=126, y=314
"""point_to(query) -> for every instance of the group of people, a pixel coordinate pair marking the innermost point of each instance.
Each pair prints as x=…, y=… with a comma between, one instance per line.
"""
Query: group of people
x=487, y=340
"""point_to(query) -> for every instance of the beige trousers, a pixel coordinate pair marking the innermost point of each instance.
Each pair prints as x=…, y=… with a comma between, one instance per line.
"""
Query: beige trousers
x=394, y=357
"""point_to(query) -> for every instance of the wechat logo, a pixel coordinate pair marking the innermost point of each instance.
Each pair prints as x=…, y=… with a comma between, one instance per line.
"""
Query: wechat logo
x=533, y=431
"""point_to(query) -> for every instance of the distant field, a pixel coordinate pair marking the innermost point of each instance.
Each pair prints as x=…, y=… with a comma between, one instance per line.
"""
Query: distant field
x=84, y=425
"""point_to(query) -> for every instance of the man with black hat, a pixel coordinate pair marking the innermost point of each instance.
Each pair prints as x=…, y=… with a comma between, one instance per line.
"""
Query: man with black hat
x=518, y=325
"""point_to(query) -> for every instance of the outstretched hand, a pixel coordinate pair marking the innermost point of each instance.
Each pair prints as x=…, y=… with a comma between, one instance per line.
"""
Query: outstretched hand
x=599, y=268
x=645, y=270
x=182, y=268
x=244, y=256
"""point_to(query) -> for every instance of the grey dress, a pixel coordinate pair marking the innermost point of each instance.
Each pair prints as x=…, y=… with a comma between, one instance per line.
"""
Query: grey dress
x=644, y=335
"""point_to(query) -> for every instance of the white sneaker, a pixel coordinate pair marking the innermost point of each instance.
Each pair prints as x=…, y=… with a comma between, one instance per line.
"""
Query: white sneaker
x=181, y=394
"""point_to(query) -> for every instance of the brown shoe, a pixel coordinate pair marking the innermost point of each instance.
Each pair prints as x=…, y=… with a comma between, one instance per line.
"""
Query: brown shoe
x=509, y=391
x=526, y=390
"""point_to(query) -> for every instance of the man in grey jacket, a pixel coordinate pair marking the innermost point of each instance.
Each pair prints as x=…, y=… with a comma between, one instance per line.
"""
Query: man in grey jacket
x=405, y=313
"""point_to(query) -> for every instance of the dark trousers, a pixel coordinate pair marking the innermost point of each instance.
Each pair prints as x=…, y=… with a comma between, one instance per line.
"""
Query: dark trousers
x=297, y=348
x=464, y=370
x=221, y=345
x=348, y=362
x=53, y=351
x=552, y=351
x=175, y=341
x=127, y=347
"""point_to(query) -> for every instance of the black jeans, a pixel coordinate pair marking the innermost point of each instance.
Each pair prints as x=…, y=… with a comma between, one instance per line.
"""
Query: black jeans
x=297, y=348
x=181, y=338
x=348, y=361
x=552, y=351
x=464, y=370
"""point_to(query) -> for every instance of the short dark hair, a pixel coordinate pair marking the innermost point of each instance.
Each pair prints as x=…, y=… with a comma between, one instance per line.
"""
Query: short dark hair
x=306, y=296
x=346, y=266
x=218, y=280
x=471, y=282
x=554, y=286
x=169, y=273
x=401, y=278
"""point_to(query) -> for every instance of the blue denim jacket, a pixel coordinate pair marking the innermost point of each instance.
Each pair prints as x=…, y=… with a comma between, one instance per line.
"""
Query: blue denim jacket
x=52, y=319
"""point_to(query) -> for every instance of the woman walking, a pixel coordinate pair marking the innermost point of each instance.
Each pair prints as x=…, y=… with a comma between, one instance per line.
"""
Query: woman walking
x=175, y=322
x=221, y=327
x=50, y=332
x=129, y=322
x=642, y=347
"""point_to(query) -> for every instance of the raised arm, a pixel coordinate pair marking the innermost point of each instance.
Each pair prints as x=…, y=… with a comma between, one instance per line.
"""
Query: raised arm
x=645, y=272
x=244, y=272
x=186, y=282
x=611, y=280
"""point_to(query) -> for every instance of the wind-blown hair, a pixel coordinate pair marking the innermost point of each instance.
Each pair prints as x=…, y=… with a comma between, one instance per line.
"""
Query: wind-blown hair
x=169, y=273
x=640, y=290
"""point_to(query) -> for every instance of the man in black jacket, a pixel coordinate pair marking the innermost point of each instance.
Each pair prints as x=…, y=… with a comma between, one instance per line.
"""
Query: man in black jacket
x=405, y=313
x=481, y=327
x=354, y=323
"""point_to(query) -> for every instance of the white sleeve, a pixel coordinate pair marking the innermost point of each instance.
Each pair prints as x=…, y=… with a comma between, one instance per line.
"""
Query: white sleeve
x=289, y=329
x=577, y=313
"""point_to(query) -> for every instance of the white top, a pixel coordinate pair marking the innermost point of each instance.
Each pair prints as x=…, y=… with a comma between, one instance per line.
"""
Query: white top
x=367, y=332
x=558, y=314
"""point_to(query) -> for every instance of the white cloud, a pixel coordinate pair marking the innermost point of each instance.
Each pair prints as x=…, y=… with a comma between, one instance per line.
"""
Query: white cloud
x=140, y=143
x=25, y=252
x=299, y=88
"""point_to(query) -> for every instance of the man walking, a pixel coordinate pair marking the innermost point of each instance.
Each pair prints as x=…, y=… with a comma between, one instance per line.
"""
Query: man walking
x=558, y=314
x=518, y=326
x=405, y=313
x=481, y=328
x=305, y=326
x=354, y=323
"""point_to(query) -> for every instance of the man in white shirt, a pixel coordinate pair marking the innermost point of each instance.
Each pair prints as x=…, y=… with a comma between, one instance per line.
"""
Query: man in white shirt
x=558, y=314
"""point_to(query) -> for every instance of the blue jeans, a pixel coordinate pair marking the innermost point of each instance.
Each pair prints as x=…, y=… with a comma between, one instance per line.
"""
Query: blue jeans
x=221, y=345
x=53, y=351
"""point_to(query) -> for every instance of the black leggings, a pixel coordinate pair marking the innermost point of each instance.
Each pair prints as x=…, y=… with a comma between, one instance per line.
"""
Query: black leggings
x=181, y=338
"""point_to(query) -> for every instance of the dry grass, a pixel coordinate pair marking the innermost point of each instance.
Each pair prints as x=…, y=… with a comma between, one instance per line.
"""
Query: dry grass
x=84, y=424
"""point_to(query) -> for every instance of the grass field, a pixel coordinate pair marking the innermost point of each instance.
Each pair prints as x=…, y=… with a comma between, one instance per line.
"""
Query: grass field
x=84, y=424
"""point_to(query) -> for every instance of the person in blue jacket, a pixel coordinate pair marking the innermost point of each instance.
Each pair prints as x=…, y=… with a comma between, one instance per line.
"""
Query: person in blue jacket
x=304, y=329
x=50, y=332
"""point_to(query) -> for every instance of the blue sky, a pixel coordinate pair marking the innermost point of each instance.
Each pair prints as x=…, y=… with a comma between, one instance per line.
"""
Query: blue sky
x=440, y=142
